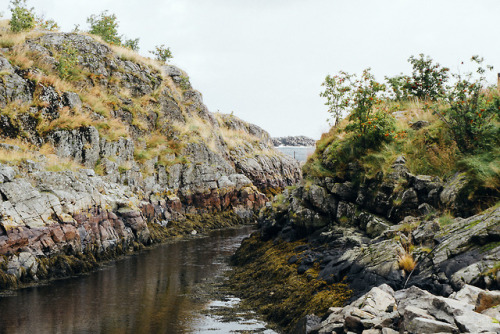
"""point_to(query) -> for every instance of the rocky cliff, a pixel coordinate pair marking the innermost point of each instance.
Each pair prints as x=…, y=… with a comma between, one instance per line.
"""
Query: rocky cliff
x=360, y=230
x=103, y=151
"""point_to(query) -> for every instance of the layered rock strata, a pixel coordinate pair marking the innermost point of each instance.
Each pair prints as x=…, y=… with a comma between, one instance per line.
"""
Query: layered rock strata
x=102, y=152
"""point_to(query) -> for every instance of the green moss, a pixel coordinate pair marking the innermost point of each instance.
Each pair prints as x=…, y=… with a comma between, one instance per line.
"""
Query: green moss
x=445, y=220
x=267, y=283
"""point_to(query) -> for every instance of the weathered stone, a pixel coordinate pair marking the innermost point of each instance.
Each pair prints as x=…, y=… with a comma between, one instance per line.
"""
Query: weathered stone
x=429, y=326
x=306, y=325
x=452, y=189
x=376, y=301
x=353, y=324
x=487, y=299
x=389, y=331
x=467, y=294
x=472, y=322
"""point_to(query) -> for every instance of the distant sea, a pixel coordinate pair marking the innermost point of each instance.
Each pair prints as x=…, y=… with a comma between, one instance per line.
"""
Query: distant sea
x=300, y=153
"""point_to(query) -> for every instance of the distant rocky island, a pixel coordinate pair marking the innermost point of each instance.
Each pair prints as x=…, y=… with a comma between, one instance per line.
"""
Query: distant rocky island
x=293, y=141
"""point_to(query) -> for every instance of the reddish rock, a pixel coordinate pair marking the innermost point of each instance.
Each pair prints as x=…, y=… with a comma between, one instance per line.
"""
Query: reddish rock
x=57, y=234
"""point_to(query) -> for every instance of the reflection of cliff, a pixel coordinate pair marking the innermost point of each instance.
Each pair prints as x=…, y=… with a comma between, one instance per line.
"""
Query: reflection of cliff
x=147, y=293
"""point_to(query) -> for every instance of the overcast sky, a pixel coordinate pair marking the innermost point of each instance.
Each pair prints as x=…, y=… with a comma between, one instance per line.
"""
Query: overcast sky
x=265, y=60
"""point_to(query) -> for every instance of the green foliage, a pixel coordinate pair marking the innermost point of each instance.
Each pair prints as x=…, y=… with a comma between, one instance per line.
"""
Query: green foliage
x=68, y=63
x=427, y=79
x=346, y=92
x=472, y=114
x=370, y=126
x=132, y=44
x=105, y=25
x=47, y=24
x=23, y=18
x=399, y=87
x=184, y=83
x=162, y=53
x=338, y=94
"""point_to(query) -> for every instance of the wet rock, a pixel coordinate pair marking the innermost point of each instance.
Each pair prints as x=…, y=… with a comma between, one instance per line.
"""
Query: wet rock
x=306, y=325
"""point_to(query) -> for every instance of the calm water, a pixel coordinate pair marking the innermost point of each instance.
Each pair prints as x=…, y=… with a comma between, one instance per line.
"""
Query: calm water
x=298, y=152
x=151, y=292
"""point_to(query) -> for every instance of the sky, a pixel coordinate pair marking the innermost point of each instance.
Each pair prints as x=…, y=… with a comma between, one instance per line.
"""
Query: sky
x=265, y=60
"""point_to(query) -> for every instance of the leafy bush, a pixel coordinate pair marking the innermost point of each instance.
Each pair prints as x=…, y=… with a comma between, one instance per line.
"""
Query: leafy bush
x=105, y=25
x=338, y=94
x=162, y=53
x=472, y=115
x=345, y=92
x=46, y=24
x=399, y=87
x=68, y=63
x=23, y=18
x=427, y=79
x=426, y=82
x=132, y=44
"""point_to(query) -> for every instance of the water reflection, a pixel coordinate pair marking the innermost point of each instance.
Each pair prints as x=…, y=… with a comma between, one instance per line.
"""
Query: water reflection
x=145, y=293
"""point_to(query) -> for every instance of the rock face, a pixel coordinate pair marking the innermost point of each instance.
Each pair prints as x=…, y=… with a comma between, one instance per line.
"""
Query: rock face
x=140, y=146
x=361, y=232
x=293, y=141
x=412, y=310
x=392, y=232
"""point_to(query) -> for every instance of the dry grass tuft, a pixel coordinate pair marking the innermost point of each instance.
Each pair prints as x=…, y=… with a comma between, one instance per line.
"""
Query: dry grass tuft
x=406, y=262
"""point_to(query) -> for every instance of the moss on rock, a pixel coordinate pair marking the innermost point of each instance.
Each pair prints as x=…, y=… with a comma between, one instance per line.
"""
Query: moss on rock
x=269, y=284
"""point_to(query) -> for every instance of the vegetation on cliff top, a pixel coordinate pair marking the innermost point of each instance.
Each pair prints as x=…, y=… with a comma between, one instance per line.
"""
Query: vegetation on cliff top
x=440, y=129
x=110, y=103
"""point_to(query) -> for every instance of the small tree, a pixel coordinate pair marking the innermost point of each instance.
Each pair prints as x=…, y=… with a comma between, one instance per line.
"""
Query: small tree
x=338, y=94
x=132, y=44
x=398, y=85
x=23, y=18
x=471, y=113
x=370, y=126
x=346, y=92
x=162, y=53
x=106, y=26
x=427, y=79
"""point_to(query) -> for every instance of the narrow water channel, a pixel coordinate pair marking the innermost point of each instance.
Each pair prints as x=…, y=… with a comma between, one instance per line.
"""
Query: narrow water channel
x=151, y=292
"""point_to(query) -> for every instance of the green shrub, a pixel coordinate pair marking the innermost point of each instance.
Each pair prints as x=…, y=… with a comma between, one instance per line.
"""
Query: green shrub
x=162, y=53
x=472, y=115
x=132, y=44
x=23, y=18
x=68, y=63
x=399, y=87
x=427, y=79
x=106, y=26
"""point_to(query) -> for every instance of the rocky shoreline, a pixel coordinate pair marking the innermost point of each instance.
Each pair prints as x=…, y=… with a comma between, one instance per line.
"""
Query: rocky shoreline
x=362, y=233
x=122, y=155
x=412, y=310
x=293, y=141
